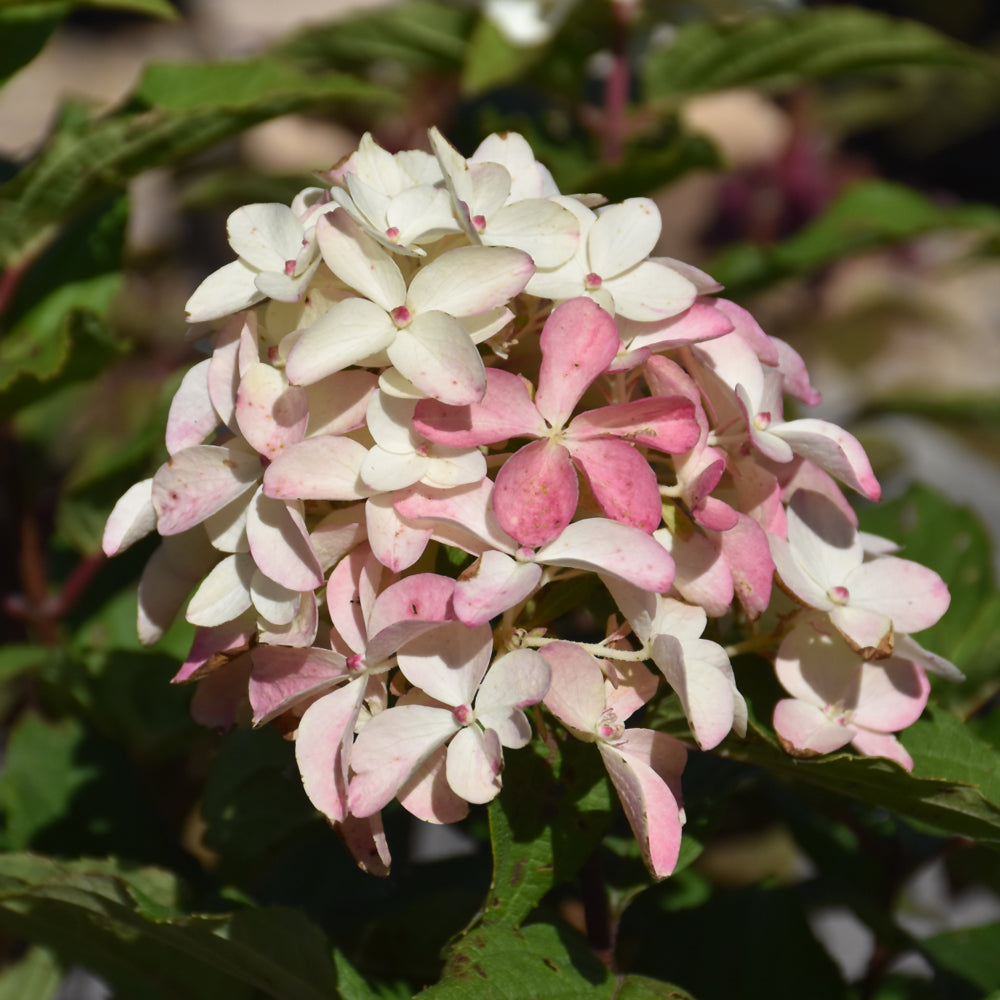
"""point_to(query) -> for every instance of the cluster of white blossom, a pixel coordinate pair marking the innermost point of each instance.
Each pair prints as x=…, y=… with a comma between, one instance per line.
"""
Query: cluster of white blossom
x=439, y=390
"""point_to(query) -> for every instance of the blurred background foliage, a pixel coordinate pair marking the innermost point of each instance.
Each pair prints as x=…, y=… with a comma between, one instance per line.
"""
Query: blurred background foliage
x=833, y=164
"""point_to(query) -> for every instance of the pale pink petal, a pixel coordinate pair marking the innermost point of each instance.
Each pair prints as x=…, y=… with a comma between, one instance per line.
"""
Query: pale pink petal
x=909, y=649
x=515, y=681
x=816, y=667
x=699, y=671
x=346, y=334
x=882, y=745
x=805, y=731
x=498, y=583
x=219, y=698
x=384, y=471
x=623, y=235
x=451, y=467
x=224, y=593
x=645, y=768
x=192, y=416
x=322, y=748
x=892, y=696
x=702, y=576
x=505, y=411
x=271, y=414
x=351, y=592
x=833, y=450
x=406, y=610
x=322, y=468
x=622, y=481
x=169, y=576
x=794, y=377
x=390, y=748
x=274, y=603
x=227, y=528
x=474, y=763
x=132, y=518
x=358, y=260
x=338, y=533
x=339, y=402
x=213, y=648
x=366, y=841
x=280, y=545
x=650, y=291
x=299, y=632
x=701, y=321
x=605, y=546
x=749, y=331
x=579, y=341
x=266, y=236
x=449, y=662
x=224, y=291
x=235, y=342
x=435, y=353
x=913, y=596
x=536, y=493
x=427, y=795
x=397, y=544
x=470, y=280
x=576, y=688
x=869, y=632
x=198, y=481
x=282, y=677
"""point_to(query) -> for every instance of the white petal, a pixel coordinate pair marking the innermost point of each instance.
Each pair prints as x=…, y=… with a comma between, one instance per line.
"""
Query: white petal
x=225, y=291
x=224, y=593
x=358, y=260
x=622, y=236
x=192, y=416
x=470, y=280
x=474, y=764
x=132, y=518
x=265, y=235
x=435, y=353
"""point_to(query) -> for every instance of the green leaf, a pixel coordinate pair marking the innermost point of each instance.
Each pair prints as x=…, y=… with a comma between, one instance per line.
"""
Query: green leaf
x=152, y=8
x=938, y=794
x=42, y=773
x=866, y=216
x=179, y=111
x=35, y=977
x=55, y=334
x=784, y=50
x=24, y=30
x=541, y=840
x=972, y=953
x=492, y=61
x=19, y=658
x=540, y=961
x=120, y=922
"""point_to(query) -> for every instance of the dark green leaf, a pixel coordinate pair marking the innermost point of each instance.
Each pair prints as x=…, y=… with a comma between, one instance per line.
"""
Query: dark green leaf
x=787, y=49
x=35, y=977
x=540, y=840
x=180, y=111
x=24, y=30
x=972, y=953
x=151, y=8
x=866, y=216
x=122, y=923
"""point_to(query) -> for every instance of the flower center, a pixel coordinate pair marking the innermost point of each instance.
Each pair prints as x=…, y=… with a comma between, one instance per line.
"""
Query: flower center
x=400, y=315
x=839, y=595
x=463, y=714
x=392, y=233
x=479, y=221
x=762, y=421
x=592, y=282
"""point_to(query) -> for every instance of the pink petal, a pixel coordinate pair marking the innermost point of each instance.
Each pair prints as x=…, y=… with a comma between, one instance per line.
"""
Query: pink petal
x=536, y=493
x=605, y=546
x=449, y=662
x=579, y=341
x=474, y=763
x=833, y=450
x=805, y=731
x=882, y=745
x=913, y=596
x=396, y=544
x=868, y=632
x=213, y=648
x=199, y=481
x=282, y=677
x=666, y=424
x=505, y=411
x=406, y=610
x=576, y=689
x=390, y=748
x=893, y=695
x=436, y=354
x=350, y=595
x=645, y=768
x=323, y=744
x=499, y=582
x=622, y=481
x=365, y=839
x=271, y=414
x=279, y=544
x=469, y=510
x=699, y=671
x=427, y=795
x=745, y=550
x=192, y=416
x=322, y=468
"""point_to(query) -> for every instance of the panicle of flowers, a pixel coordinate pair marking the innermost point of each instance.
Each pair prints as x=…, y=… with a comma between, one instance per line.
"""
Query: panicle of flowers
x=441, y=390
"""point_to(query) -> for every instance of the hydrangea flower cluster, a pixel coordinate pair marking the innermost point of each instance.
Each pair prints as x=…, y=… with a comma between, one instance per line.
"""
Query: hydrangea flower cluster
x=439, y=392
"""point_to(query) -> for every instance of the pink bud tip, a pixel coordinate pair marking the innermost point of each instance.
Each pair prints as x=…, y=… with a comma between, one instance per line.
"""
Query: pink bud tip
x=462, y=714
x=479, y=221
x=839, y=595
x=392, y=233
x=762, y=421
x=400, y=315
x=355, y=663
x=592, y=282
x=290, y=268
